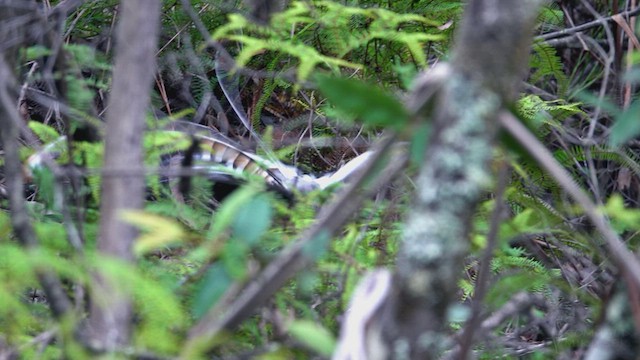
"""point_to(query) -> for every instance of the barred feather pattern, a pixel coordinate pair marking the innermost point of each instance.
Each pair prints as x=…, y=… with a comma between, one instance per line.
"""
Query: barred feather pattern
x=216, y=150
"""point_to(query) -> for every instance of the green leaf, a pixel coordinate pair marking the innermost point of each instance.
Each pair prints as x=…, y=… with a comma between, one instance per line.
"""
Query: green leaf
x=627, y=125
x=36, y=52
x=313, y=335
x=622, y=218
x=234, y=258
x=215, y=282
x=606, y=104
x=306, y=282
x=158, y=231
x=45, y=181
x=79, y=97
x=419, y=141
x=406, y=72
x=364, y=101
x=253, y=219
x=52, y=235
x=318, y=246
x=225, y=216
x=46, y=133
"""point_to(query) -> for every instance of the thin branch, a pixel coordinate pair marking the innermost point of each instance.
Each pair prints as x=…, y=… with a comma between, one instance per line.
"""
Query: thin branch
x=585, y=26
x=484, y=272
x=66, y=6
x=608, y=61
x=518, y=303
x=622, y=257
x=515, y=305
x=9, y=128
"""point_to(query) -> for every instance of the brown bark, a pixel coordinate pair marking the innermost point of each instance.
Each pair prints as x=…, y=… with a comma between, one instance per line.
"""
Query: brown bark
x=136, y=44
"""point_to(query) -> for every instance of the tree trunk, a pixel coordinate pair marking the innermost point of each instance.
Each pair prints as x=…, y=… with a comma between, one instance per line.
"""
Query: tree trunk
x=488, y=63
x=136, y=44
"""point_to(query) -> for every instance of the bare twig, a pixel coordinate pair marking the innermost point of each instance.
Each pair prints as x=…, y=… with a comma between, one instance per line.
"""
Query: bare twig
x=66, y=6
x=484, y=272
x=622, y=257
x=607, y=69
x=516, y=304
x=9, y=128
x=585, y=26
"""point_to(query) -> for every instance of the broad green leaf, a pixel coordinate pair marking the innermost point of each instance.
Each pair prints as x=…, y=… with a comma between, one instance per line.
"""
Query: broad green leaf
x=306, y=282
x=313, y=335
x=226, y=213
x=318, y=246
x=210, y=289
x=234, y=258
x=419, y=141
x=158, y=231
x=253, y=219
x=622, y=218
x=159, y=314
x=364, y=101
x=45, y=181
x=526, y=221
x=52, y=235
x=37, y=51
x=280, y=353
x=605, y=103
x=627, y=125
x=46, y=133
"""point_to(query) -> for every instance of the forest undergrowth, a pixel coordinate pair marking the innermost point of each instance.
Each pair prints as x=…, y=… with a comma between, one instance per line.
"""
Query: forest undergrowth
x=313, y=85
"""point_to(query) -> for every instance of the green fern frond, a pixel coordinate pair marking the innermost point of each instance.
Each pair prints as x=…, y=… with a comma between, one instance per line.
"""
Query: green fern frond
x=546, y=63
x=267, y=90
x=543, y=116
x=342, y=29
x=91, y=156
x=519, y=261
x=624, y=158
x=46, y=134
x=551, y=15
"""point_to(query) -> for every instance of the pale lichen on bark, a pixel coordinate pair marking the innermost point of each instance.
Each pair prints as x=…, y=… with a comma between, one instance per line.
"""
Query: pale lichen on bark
x=488, y=64
x=436, y=232
x=458, y=172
